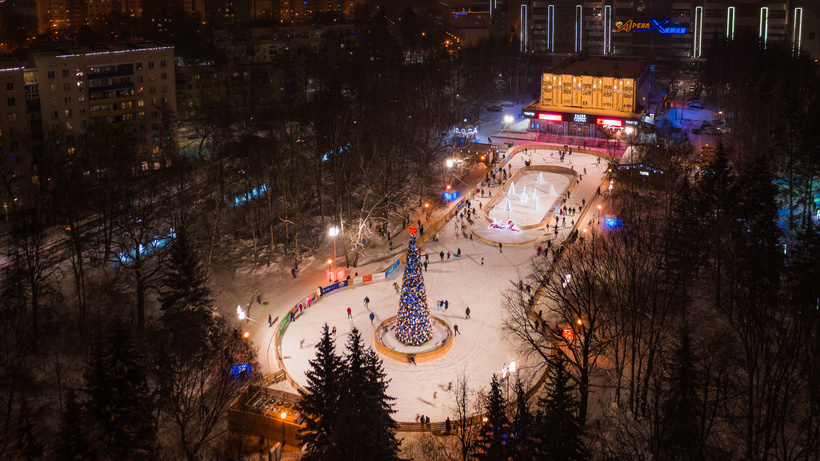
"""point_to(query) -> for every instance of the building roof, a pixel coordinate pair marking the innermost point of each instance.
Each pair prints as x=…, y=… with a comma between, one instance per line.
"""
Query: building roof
x=100, y=49
x=10, y=64
x=602, y=66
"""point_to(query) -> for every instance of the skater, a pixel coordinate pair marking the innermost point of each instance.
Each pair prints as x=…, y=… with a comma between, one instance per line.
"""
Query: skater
x=425, y=266
x=471, y=237
x=500, y=247
x=482, y=261
x=372, y=316
x=455, y=329
x=426, y=256
x=539, y=250
x=528, y=288
x=412, y=359
x=459, y=250
x=366, y=302
x=390, y=244
x=293, y=272
x=450, y=386
x=467, y=311
x=333, y=332
x=349, y=313
x=448, y=256
x=583, y=202
x=270, y=321
x=396, y=286
x=441, y=255
x=446, y=304
x=435, y=398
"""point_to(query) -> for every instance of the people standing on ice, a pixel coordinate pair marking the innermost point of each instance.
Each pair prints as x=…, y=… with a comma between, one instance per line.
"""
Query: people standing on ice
x=455, y=329
x=333, y=332
x=448, y=256
x=520, y=285
x=482, y=261
x=293, y=272
x=459, y=252
x=446, y=304
x=500, y=250
x=270, y=321
x=425, y=266
x=396, y=286
x=349, y=313
x=372, y=316
x=366, y=302
x=467, y=311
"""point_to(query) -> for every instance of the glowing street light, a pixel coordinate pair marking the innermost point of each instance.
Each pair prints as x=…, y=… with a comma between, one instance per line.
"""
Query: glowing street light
x=508, y=119
x=333, y=232
x=449, y=163
x=283, y=416
x=240, y=313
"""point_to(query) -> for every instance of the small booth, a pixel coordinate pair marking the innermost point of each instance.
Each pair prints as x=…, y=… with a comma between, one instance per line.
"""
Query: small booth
x=476, y=152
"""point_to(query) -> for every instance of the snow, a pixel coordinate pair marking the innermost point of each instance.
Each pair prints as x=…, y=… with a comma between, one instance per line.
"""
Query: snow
x=482, y=348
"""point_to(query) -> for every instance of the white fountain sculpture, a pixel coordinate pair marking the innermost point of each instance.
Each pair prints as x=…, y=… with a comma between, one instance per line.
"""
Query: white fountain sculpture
x=536, y=204
x=552, y=191
x=540, y=178
x=512, y=188
x=507, y=206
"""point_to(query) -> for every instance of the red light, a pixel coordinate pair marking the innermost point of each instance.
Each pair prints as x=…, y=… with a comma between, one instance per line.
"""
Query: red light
x=550, y=117
x=610, y=122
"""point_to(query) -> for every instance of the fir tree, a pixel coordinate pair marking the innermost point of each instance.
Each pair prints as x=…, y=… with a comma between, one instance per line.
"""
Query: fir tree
x=120, y=400
x=25, y=443
x=73, y=439
x=185, y=299
x=413, y=325
x=679, y=438
x=493, y=443
x=559, y=433
x=366, y=426
x=523, y=446
x=320, y=402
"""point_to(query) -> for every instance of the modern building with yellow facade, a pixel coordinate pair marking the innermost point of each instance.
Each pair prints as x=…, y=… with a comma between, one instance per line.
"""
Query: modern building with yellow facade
x=586, y=95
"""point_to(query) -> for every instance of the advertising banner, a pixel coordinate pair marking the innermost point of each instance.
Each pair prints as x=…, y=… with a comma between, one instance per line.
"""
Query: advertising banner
x=334, y=287
x=392, y=268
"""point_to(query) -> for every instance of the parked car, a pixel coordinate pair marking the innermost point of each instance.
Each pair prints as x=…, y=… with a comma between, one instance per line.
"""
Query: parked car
x=712, y=131
x=494, y=108
x=696, y=105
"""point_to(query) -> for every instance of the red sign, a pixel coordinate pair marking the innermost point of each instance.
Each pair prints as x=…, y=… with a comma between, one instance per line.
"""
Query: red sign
x=550, y=117
x=610, y=122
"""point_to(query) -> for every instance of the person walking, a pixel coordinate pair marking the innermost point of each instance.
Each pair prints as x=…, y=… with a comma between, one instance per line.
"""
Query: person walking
x=441, y=255
x=372, y=316
x=270, y=321
x=500, y=247
x=366, y=302
x=333, y=332
x=435, y=398
x=447, y=425
x=426, y=257
x=455, y=329
x=459, y=251
x=520, y=285
x=349, y=313
x=293, y=272
x=467, y=311
x=425, y=266
x=448, y=256
x=446, y=304
x=482, y=261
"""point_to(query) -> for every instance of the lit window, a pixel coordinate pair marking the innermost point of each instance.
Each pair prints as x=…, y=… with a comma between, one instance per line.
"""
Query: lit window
x=12, y=117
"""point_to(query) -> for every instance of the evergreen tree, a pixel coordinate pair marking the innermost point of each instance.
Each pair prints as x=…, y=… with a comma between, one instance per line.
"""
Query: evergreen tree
x=523, y=445
x=413, y=325
x=120, y=400
x=367, y=430
x=74, y=436
x=679, y=438
x=558, y=431
x=320, y=402
x=185, y=300
x=25, y=443
x=493, y=442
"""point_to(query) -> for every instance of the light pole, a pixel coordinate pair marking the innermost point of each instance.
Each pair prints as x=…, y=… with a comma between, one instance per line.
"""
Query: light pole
x=333, y=232
x=598, y=218
x=427, y=209
x=283, y=415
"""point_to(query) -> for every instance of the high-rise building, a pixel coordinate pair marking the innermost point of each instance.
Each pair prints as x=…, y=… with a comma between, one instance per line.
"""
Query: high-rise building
x=655, y=28
x=58, y=17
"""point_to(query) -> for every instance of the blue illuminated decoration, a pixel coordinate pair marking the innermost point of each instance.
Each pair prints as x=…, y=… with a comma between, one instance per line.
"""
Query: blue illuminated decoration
x=653, y=24
x=611, y=223
x=145, y=249
x=242, y=367
x=450, y=196
x=256, y=192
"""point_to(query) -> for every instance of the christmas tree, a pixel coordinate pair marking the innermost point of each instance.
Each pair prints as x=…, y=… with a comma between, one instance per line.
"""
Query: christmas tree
x=413, y=327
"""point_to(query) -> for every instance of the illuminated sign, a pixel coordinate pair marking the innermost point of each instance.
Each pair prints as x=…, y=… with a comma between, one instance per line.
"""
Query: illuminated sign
x=581, y=118
x=653, y=24
x=550, y=117
x=529, y=113
x=609, y=122
x=631, y=122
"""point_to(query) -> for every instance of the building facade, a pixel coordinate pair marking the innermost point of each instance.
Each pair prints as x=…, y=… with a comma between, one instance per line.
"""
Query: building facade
x=656, y=28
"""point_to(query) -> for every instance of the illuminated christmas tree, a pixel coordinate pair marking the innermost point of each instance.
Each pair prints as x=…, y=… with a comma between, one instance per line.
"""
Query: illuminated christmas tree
x=413, y=326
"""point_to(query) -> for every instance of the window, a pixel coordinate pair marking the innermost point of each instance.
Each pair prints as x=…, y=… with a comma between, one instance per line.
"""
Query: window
x=65, y=73
x=12, y=117
x=162, y=63
x=68, y=125
x=140, y=103
x=164, y=88
x=9, y=86
x=139, y=78
x=150, y=64
x=67, y=99
x=151, y=77
x=68, y=112
x=163, y=76
x=154, y=114
x=82, y=111
x=10, y=101
x=66, y=87
x=55, y=114
x=81, y=98
x=156, y=150
x=53, y=88
x=51, y=74
x=139, y=66
x=153, y=90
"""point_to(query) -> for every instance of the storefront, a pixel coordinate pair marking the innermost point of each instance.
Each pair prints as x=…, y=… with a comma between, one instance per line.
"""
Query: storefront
x=589, y=124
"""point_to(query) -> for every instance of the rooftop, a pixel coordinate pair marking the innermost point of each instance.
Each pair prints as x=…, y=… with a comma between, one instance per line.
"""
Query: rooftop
x=100, y=49
x=9, y=64
x=601, y=66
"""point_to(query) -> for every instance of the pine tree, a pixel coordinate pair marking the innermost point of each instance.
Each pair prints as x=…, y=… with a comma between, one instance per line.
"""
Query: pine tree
x=413, y=326
x=523, y=446
x=320, y=402
x=187, y=312
x=679, y=438
x=366, y=426
x=120, y=400
x=25, y=443
x=559, y=433
x=493, y=443
x=73, y=439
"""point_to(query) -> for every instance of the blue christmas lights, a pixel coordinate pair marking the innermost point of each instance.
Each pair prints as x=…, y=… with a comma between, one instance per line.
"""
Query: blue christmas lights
x=413, y=326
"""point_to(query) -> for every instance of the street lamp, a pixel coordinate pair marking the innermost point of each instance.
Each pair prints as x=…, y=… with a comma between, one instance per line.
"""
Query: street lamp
x=599, y=213
x=333, y=232
x=241, y=313
x=427, y=209
x=283, y=415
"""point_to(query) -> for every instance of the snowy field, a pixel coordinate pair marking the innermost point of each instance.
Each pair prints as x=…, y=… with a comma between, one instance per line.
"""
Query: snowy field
x=479, y=351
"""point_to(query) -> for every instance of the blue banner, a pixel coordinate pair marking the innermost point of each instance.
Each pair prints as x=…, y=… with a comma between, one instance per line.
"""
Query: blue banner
x=236, y=369
x=333, y=287
x=392, y=268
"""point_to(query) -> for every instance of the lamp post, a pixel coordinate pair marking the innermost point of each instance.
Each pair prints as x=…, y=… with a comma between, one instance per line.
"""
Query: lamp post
x=427, y=209
x=333, y=232
x=283, y=415
x=598, y=218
